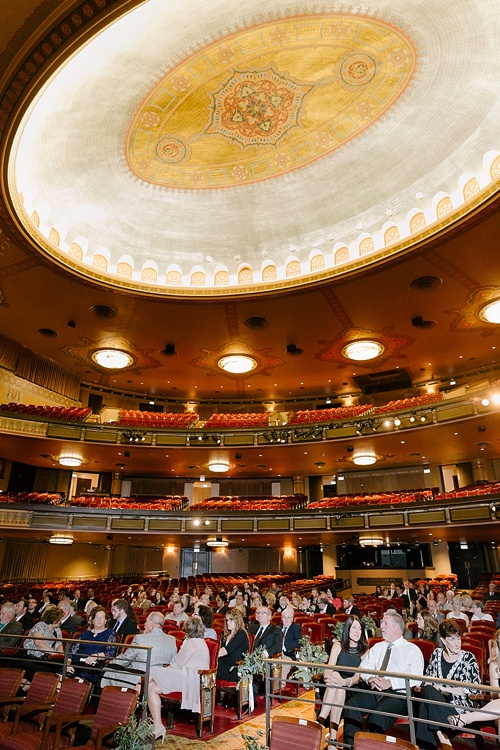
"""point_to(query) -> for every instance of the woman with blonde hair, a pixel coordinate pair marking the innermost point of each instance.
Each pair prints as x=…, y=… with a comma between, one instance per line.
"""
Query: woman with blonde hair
x=296, y=600
x=270, y=599
x=457, y=612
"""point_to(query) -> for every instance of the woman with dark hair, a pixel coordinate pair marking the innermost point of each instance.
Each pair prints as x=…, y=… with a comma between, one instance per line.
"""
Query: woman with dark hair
x=378, y=591
x=207, y=617
x=348, y=652
x=182, y=676
x=187, y=603
x=446, y=701
x=90, y=650
x=233, y=645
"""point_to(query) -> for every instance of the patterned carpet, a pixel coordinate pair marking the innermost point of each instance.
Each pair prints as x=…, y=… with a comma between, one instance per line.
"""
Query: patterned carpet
x=232, y=740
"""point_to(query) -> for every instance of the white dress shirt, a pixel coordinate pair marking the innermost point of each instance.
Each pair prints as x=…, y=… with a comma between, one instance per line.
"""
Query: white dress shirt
x=405, y=658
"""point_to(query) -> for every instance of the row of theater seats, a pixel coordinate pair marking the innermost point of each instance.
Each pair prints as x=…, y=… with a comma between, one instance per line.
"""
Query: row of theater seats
x=378, y=498
x=170, y=502
x=136, y=418
x=409, y=403
x=237, y=420
x=31, y=498
x=268, y=502
x=490, y=488
x=67, y=413
x=312, y=416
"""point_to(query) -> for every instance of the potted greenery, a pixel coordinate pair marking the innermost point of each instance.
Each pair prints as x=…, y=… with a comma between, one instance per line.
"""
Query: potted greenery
x=137, y=734
x=309, y=652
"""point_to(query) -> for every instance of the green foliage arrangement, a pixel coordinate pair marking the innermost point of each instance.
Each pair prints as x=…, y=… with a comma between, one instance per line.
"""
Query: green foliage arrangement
x=251, y=665
x=253, y=742
x=309, y=652
x=137, y=734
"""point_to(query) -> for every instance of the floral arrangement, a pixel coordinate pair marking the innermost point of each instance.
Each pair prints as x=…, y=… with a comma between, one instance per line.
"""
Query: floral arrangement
x=309, y=652
x=137, y=734
x=251, y=665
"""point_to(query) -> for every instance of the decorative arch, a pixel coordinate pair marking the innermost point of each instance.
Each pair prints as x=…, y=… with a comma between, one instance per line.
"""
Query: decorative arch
x=269, y=272
x=391, y=235
x=75, y=251
x=54, y=236
x=366, y=246
x=100, y=261
x=124, y=269
x=245, y=275
x=173, y=278
x=221, y=278
x=417, y=222
x=35, y=219
x=149, y=275
x=471, y=188
x=317, y=262
x=444, y=207
x=292, y=268
x=198, y=278
x=341, y=255
x=495, y=168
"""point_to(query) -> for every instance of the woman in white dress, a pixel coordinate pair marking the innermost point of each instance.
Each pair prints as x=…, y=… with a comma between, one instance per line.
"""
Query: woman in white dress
x=182, y=676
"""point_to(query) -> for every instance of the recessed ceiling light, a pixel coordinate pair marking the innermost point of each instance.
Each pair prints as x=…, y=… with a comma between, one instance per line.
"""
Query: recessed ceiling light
x=70, y=460
x=237, y=364
x=363, y=350
x=112, y=359
x=364, y=459
x=218, y=466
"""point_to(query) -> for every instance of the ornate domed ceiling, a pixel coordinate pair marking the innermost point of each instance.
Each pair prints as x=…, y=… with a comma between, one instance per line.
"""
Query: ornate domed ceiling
x=221, y=148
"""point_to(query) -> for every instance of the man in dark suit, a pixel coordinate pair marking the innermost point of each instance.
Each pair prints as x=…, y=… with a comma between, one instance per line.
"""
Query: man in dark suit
x=350, y=608
x=22, y=614
x=492, y=595
x=267, y=636
x=324, y=608
x=71, y=621
x=10, y=628
x=409, y=597
x=292, y=633
x=121, y=622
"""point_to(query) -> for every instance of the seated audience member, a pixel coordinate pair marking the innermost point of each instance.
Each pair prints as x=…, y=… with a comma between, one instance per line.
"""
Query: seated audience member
x=181, y=676
x=386, y=694
x=241, y=605
x=163, y=650
x=221, y=601
x=92, y=601
x=392, y=593
x=478, y=612
x=33, y=607
x=407, y=634
x=10, y=628
x=267, y=636
x=22, y=615
x=441, y=600
x=492, y=595
x=466, y=602
x=142, y=602
x=378, y=592
x=432, y=606
x=409, y=597
x=283, y=603
x=270, y=600
x=207, y=617
x=457, y=612
x=159, y=600
x=296, y=601
x=234, y=645
x=422, y=597
x=79, y=600
x=188, y=601
x=291, y=634
x=90, y=650
x=122, y=622
x=449, y=663
x=350, y=651
x=494, y=661
x=41, y=640
x=349, y=607
x=447, y=606
x=427, y=626
x=177, y=614
x=323, y=607
x=70, y=622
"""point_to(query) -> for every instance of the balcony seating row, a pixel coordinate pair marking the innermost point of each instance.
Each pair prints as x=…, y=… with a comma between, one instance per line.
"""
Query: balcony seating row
x=34, y=498
x=136, y=418
x=314, y=416
x=170, y=502
x=67, y=413
x=237, y=420
x=490, y=488
x=410, y=403
x=379, y=498
x=254, y=503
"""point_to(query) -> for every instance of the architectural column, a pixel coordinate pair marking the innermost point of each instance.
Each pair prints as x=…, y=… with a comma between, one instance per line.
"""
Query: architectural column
x=479, y=470
x=116, y=483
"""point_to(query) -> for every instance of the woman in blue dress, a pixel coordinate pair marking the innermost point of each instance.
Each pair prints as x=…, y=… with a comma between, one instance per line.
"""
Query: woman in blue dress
x=90, y=650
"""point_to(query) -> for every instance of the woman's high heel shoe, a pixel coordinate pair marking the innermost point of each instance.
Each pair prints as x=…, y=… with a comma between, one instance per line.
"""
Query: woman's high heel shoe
x=160, y=734
x=456, y=721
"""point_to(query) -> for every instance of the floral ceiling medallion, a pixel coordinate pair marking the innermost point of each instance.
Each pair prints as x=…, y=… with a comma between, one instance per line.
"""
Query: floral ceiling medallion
x=264, y=362
x=268, y=99
x=83, y=353
x=469, y=317
x=393, y=344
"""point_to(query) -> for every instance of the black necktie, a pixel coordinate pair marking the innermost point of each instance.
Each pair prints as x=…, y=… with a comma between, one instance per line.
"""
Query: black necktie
x=258, y=636
x=387, y=656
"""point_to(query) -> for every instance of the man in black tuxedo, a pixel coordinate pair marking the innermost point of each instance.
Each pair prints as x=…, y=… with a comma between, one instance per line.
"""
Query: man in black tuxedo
x=323, y=607
x=22, y=614
x=268, y=636
x=121, y=622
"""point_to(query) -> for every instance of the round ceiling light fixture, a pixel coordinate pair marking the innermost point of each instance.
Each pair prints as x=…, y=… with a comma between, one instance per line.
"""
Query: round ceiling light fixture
x=363, y=350
x=218, y=542
x=237, y=364
x=60, y=539
x=491, y=312
x=219, y=466
x=112, y=359
x=70, y=460
x=371, y=540
x=364, y=459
